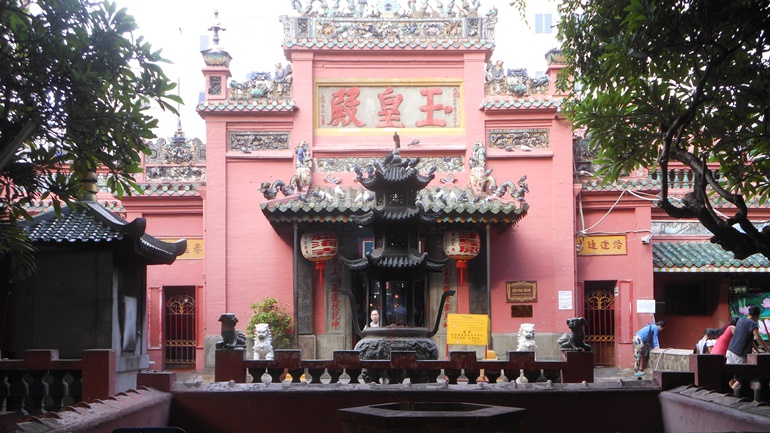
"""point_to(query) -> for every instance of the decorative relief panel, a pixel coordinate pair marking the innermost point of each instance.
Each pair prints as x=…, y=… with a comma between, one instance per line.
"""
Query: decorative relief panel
x=176, y=160
x=215, y=85
x=337, y=165
x=518, y=139
x=250, y=141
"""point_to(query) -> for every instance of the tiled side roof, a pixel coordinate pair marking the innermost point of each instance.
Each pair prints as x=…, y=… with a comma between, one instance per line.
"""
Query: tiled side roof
x=89, y=222
x=491, y=104
x=728, y=402
x=173, y=189
x=620, y=185
x=681, y=256
x=73, y=226
x=248, y=105
x=39, y=207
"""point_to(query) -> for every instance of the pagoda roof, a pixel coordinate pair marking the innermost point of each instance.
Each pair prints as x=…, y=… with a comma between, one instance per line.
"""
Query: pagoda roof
x=451, y=205
x=89, y=223
x=405, y=261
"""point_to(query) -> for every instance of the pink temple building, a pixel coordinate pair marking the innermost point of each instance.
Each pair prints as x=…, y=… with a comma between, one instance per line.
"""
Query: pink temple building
x=286, y=156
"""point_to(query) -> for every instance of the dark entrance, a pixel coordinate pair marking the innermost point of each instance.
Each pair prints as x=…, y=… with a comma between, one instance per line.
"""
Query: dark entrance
x=180, y=339
x=599, y=311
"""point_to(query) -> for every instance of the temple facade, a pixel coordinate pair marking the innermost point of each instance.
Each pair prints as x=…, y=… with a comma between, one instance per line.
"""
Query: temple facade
x=501, y=207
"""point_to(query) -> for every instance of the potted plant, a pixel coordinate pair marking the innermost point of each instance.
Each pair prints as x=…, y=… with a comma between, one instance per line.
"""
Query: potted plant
x=270, y=311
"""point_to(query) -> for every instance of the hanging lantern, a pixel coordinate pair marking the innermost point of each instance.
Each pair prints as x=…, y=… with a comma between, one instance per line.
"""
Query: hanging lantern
x=461, y=246
x=319, y=248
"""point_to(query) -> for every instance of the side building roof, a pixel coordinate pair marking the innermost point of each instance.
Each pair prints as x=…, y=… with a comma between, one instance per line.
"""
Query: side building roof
x=89, y=223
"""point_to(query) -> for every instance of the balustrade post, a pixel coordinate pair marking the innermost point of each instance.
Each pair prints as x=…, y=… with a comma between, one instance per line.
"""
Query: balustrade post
x=8, y=422
x=580, y=367
x=228, y=365
x=100, y=374
x=708, y=371
x=160, y=380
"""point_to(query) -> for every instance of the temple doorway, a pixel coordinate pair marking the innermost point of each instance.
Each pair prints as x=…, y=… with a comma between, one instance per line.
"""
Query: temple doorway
x=180, y=337
x=599, y=311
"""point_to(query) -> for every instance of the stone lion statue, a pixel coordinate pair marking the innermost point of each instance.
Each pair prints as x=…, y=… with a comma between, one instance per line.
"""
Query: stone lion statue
x=263, y=342
x=575, y=340
x=527, y=338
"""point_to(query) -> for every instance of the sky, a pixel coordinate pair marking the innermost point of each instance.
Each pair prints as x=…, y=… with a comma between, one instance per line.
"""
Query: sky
x=253, y=36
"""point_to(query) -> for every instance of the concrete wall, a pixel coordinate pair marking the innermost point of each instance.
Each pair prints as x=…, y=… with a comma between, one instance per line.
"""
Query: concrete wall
x=220, y=407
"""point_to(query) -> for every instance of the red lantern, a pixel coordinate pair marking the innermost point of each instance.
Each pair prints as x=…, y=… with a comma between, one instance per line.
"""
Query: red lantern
x=461, y=246
x=319, y=248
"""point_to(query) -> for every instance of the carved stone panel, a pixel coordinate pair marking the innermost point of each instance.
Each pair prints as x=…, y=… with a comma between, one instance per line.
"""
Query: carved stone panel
x=252, y=141
x=518, y=139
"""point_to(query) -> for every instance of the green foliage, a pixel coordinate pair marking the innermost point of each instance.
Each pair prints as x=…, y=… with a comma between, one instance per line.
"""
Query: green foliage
x=655, y=81
x=270, y=311
x=75, y=77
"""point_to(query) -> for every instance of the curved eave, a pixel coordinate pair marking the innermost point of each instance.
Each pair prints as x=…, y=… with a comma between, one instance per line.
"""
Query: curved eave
x=248, y=105
x=404, y=262
x=406, y=214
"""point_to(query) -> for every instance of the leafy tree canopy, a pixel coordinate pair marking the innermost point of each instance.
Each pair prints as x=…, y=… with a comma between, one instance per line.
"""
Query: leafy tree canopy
x=75, y=90
x=656, y=81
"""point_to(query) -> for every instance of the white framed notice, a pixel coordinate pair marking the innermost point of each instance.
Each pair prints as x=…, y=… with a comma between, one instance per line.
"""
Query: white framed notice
x=565, y=299
x=645, y=306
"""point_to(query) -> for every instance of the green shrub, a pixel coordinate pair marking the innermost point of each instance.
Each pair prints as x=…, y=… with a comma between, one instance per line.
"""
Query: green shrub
x=275, y=315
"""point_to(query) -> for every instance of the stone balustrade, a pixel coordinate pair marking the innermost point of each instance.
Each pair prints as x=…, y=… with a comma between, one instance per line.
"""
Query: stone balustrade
x=575, y=367
x=753, y=378
x=41, y=382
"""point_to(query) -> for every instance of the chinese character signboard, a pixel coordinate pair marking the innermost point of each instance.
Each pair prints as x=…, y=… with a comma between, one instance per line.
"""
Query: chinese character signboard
x=521, y=291
x=194, y=249
x=610, y=245
x=350, y=106
x=471, y=329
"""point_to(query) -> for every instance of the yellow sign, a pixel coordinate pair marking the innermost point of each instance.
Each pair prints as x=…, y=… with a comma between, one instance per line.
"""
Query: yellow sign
x=471, y=329
x=610, y=245
x=194, y=249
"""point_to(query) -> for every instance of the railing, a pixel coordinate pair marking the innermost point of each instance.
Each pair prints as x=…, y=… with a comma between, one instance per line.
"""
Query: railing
x=41, y=382
x=753, y=378
x=575, y=367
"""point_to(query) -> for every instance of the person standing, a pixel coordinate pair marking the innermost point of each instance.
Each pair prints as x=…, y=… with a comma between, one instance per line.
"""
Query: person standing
x=746, y=330
x=375, y=316
x=706, y=342
x=644, y=340
x=723, y=338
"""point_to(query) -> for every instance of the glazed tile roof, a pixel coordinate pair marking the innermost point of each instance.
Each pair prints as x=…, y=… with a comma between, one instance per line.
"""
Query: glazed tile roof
x=173, y=189
x=490, y=104
x=259, y=104
x=745, y=407
x=679, y=256
x=621, y=184
x=45, y=206
x=454, y=204
x=90, y=223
